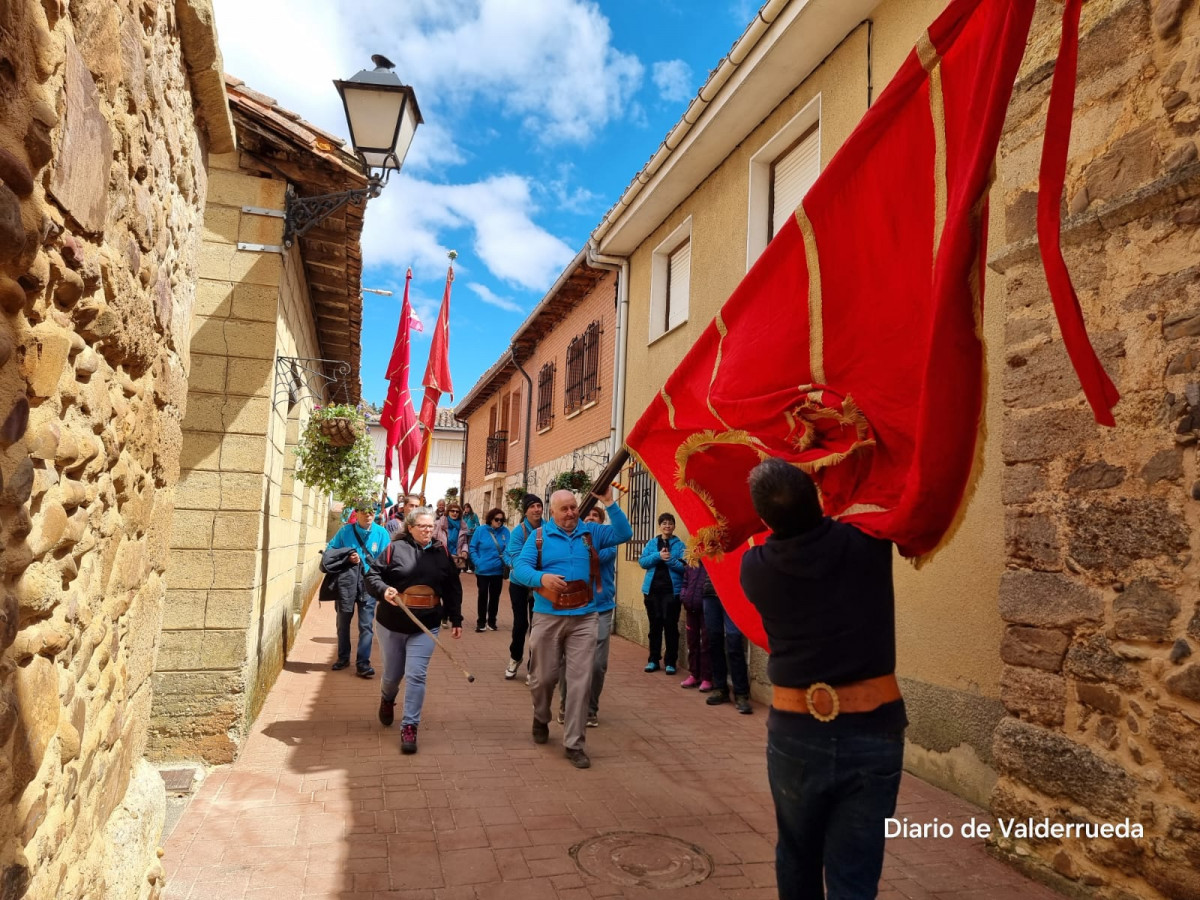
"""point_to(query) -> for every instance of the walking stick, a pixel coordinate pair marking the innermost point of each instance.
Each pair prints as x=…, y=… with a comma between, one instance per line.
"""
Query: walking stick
x=420, y=624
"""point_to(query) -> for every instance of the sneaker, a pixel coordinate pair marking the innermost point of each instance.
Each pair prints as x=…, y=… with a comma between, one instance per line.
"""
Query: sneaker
x=492, y=628
x=541, y=732
x=705, y=687
x=690, y=682
x=368, y=672
x=560, y=717
x=339, y=665
x=527, y=680
x=510, y=671
x=670, y=670
x=387, y=712
x=742, y=704
x=480, y=629
x=718, y=697
x=579, y=759
x=408, y=738
x=593, y=721
x=651, y=667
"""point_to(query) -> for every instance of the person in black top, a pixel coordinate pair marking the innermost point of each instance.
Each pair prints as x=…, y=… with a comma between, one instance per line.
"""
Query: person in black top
x=416, y=571
x=835, y=734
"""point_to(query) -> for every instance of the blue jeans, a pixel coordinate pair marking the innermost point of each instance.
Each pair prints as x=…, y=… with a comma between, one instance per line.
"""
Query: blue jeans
x=727, y=648
x=831, y=797
x=366, y=622
x=406, y=656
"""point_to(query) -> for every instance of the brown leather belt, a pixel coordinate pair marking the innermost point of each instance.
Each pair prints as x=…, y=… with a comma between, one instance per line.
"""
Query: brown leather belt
x=825, y=703
x=577, y=594
x=419, y=596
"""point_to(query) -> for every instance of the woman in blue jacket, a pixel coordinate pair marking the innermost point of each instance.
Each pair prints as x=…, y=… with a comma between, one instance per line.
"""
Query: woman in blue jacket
x=664, y=564
x=487, y=553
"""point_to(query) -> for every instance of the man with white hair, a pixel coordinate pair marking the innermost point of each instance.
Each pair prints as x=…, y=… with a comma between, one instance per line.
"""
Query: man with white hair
x=561, y=563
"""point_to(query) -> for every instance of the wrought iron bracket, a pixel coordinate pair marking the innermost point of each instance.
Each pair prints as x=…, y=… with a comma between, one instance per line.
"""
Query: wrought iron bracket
x=304, y=213
x=321, y=380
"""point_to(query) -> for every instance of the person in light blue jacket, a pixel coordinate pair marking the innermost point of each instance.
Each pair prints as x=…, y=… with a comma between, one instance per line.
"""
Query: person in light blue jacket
x=606, y=607
x=663, y=560
x=487, y=552
x=520, y=596
x=563, y=572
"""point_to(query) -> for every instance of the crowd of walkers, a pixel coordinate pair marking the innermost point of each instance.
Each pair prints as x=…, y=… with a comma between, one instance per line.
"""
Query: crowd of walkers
x=401, y=570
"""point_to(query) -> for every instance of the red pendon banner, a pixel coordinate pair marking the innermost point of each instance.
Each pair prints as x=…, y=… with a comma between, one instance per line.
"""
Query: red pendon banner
x=853, y=348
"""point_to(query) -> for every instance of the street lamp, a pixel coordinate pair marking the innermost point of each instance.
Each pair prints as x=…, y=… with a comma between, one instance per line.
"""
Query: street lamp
x=383, y=116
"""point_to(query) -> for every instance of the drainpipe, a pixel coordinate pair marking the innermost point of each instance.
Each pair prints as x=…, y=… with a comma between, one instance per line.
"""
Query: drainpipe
x=512, y=352
x=462, y=478
x=620, y=265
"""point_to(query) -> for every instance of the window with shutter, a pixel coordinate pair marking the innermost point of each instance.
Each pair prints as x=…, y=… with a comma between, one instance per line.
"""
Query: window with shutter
x=514, y=433
x=545, y=408
x=679, y=276
x=792, y=174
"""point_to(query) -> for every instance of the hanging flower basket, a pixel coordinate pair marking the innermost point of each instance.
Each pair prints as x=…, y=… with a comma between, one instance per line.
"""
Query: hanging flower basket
x=575, y=480
x=341, y=431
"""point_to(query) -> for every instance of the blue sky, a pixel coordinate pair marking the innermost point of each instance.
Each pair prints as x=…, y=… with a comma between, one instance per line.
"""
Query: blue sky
x=537, y=114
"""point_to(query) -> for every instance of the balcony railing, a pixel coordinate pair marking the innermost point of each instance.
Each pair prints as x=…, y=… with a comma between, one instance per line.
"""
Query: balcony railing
x=497, y=453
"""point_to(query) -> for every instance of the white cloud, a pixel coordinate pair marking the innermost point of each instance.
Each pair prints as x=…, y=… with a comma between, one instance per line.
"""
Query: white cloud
x=573, y=199
x=488, y=296
x=673, y=79
x=405, y=226
x=549, y=63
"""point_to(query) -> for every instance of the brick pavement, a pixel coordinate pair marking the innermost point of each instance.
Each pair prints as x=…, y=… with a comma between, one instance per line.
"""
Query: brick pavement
x=321, y=804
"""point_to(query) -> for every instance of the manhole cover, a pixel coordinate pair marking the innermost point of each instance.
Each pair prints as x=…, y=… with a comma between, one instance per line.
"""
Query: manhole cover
x=631, y=859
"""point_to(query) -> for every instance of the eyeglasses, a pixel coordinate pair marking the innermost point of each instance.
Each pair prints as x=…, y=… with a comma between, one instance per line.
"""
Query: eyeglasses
x=500, y=519
x=425, y=525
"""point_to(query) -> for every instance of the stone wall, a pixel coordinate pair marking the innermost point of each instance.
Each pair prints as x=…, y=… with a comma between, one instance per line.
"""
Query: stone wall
x=1100, y=680
x=102, y=184
x=244, y=547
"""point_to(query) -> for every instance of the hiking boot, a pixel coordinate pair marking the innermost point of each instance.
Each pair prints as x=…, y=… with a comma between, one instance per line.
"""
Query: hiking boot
x=579, y=759
x=742, y=703
x=541, y=732
x=339, y=665
x=510, y=671
x=408, y=738
x=717, y=697
x=368, y=672
x=387, y=712
x=705, y=687
x=690, y=682
x=593, y=721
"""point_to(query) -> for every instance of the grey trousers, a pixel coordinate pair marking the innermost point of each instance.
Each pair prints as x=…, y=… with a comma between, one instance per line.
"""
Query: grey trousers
x=572, y=638
x=604, y=624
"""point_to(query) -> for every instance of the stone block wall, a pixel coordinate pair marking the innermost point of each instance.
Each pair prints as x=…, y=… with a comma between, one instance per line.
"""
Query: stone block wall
x=1100, y=682
x=102, y=187
x=244, y=554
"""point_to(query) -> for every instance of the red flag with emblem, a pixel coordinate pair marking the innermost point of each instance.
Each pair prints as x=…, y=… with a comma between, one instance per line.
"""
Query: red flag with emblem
x=399, y=419
x=437, y=377
x=853, y=347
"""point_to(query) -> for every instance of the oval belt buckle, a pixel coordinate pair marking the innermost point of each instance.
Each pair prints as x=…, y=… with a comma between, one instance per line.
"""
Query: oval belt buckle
x=810, y=696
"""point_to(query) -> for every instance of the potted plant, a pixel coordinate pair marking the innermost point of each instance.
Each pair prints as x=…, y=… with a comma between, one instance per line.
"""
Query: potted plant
x=514, y=497
x=325, y=462
x=575, y=480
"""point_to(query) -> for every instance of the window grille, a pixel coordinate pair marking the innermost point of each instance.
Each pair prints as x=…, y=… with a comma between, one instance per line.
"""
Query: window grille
x=643, y=507
x=583, y=368
x=545, y=408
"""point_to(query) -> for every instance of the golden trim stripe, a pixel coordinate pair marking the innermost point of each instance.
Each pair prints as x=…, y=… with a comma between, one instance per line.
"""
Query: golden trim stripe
x=722, y=331
x=670, y=406
x=931, y=61
x=816, y=324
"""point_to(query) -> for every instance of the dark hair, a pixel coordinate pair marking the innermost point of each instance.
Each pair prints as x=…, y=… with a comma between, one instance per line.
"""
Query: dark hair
x=666, y=517
x=598, y=510
x=492, y=513
x=784, y=497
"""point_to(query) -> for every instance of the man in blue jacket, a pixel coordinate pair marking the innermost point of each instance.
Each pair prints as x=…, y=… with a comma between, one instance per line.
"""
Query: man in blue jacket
x=561, y=563
x=519, y=595
x=347, y=558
